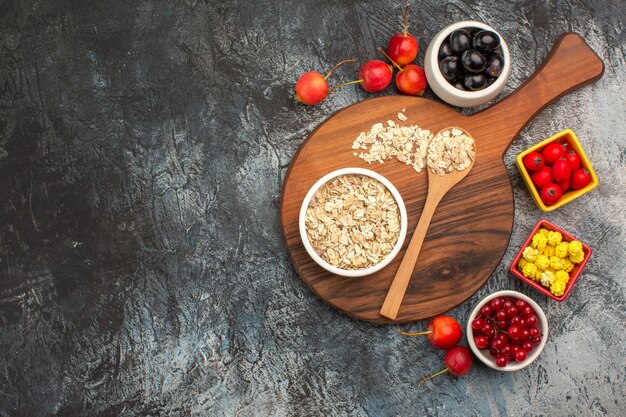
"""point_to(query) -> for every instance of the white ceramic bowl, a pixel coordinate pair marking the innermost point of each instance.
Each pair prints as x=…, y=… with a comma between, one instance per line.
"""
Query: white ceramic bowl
x=356, y=272
x=446, y=91
x=483, y=354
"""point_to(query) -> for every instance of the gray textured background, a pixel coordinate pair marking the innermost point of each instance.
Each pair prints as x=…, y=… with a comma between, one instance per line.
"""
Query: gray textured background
x=142, y=272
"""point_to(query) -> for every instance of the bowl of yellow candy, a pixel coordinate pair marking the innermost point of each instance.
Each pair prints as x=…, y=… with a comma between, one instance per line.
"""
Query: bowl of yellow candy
x=551, y=260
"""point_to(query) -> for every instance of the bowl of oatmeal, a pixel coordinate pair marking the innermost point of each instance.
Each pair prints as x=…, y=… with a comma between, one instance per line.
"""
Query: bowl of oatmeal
x=353, y=222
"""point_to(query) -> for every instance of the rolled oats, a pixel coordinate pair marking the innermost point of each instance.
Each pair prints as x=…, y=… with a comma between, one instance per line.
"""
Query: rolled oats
x=408, y=144
x=353, y=222
x=450, y=150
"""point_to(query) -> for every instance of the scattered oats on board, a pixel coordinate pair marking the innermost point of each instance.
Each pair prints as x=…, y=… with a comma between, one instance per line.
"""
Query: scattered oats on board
x=408, y=144
x=449, y=150
x=353, y=222
x=402, y=117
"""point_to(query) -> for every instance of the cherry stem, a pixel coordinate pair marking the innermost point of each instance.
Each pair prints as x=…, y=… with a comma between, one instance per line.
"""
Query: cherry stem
x=337, y=66
x=406, y=9
x=344, y=84
x=413, y=334
x=432, y=376
x=382, y=51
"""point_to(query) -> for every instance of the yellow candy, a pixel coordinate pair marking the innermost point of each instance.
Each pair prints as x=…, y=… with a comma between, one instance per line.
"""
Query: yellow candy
x=556, y=263
x=530, y=271
x=567, y=265
x=577, y=258
x=530, y=254
x=547, y=278
x=562, y=276
x=522, y=262
x=539, y=242
x=548, y=251
x=575, y=247
x=554, y=238
x=542, y=262
x=558, y=288
x=561, y=250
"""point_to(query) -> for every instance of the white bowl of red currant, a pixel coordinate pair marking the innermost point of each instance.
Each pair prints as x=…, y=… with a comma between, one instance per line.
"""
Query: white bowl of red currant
x=467, y=64
x=507, y=330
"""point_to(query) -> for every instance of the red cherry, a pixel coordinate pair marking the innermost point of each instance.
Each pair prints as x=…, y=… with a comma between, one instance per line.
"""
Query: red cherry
x=411, y=80
x=375, y=76
x=443, y=332
x=458, y=362
x=402, y=47
x=312, y=87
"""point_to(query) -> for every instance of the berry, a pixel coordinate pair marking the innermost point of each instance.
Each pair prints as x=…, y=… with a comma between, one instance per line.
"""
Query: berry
x=524, y=334
x=501, y=315
x=531, y=320
x=496, y=304
x=552, y=152
x=480, y=342
x=375, y=76
x=534, y=161
x=473, y=61
x=501, y=361
x=486, y=310
x=520, y=355
x=486, y=41
x=514, y=332
x=460, y=41
x=403, y=47
x=478, y=323
x=516, y=321
x=580, y=179
x=534, y=332
x=312, y=87
x=527, y=346
x=511, y=311
x=520, y=304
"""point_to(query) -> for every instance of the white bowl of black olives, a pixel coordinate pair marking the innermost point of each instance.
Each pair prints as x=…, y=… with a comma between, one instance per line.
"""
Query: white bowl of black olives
x=467, y=64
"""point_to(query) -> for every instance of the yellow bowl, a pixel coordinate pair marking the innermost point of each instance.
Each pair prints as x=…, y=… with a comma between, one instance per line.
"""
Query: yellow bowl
x=569, y=137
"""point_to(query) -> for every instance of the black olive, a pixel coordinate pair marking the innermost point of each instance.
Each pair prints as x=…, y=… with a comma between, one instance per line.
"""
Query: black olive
x=473, y=61
x=445, y=50
x=450, y=67
x=460, y=41
x=473, y=32
x=486, y=41
x=474, y=82
x=495, y=63
x=490, y=81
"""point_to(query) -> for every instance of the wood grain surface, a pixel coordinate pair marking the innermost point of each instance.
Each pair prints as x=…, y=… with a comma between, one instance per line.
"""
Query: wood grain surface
x=470, y=230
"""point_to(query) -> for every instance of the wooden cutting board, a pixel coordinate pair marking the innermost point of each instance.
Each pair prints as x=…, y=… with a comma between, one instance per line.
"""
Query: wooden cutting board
x=471, y=228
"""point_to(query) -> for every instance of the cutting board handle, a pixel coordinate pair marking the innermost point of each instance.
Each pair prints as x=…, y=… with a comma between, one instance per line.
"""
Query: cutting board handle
x=571, y=64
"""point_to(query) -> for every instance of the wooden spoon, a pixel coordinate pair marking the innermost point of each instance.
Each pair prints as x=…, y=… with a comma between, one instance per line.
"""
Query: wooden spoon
x=438, y=186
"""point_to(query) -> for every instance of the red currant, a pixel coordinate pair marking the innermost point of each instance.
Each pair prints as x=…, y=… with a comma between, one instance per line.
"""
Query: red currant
x=507, y=303
x=528, y=310
x=493, y=352
x=527, y=346
x=501, y=361
x=520, y=355
x=524, y=334
x=522, y=322
x=478, y=323
x=534, y=332
x=520, y=305
x=488, y=330
x=480, y=341
x=486, y=310
x=515, y=320
x=496, y=304
x=498, y=343
x=501, y=315
x=514, y=332
x=531, y=320
x=503, y=324
x=536, y=340
x=511, y=311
